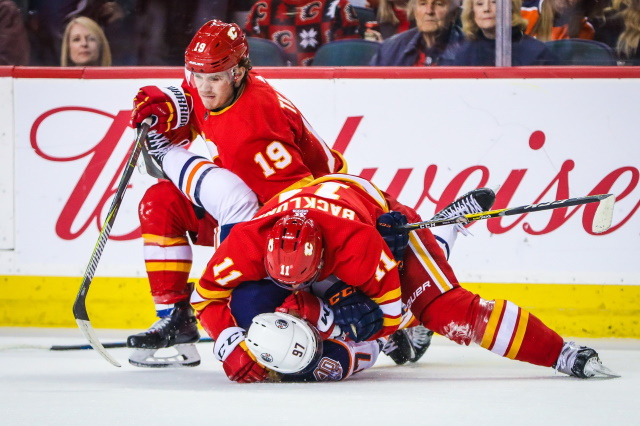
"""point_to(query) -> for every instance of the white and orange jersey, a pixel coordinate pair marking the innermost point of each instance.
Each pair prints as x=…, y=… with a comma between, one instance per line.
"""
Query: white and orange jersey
x=262, y=138
x=345, y=208
x=560, y=28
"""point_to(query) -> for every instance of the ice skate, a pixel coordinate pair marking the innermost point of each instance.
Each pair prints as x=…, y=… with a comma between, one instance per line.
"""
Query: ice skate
x=398, y=347
x=420, y=338
x=154, y=148
x=178, y=331
x=581, y=361
x=476, y=201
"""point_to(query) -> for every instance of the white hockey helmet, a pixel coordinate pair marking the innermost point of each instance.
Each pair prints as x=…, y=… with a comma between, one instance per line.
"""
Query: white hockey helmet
x=283, y=343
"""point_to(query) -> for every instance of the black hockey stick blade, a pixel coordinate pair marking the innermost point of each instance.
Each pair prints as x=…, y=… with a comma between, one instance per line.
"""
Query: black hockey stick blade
x=110, y=345
x=601, y=221
x=79, y=306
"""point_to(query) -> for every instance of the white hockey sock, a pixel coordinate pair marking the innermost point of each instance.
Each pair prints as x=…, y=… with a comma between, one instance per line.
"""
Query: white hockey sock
x=220, y=192
x=446, y=237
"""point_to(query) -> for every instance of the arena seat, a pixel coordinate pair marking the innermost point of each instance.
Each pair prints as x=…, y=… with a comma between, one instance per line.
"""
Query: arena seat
x=346, y=53
x=263, y=52
x=576, y=51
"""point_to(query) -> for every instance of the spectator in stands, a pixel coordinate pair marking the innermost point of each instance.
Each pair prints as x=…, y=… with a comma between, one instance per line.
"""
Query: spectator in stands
x=164, y=28
x=14, y=42
x=560, y=19
x=300, y=27
x=479, y=26
x=119, y=22
x=84, y=44
x=628, y=45
x=433, y=41
x=619, y=28
x=46, y=22
x=391, y=17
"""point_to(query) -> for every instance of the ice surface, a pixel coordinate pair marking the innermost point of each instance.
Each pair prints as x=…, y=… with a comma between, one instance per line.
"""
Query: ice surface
x=451, y=385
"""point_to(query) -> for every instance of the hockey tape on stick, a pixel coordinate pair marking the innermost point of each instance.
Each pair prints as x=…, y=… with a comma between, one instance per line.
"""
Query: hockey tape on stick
x=601, y=219
x=79, y=307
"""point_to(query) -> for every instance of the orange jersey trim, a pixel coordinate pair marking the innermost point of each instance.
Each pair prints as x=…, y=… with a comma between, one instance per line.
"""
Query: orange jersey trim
x=150, y=239
x=156, y=266
x=519, y=336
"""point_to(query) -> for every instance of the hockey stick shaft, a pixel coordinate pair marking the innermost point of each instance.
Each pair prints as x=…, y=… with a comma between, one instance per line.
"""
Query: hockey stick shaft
x=80, y=307
x=110, y=345
x=602, y=218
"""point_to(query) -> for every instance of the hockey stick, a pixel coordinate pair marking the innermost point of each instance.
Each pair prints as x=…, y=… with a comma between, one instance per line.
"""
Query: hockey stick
x=601, y=219
x=80, y=307
x=106, y=345
x=109, y=345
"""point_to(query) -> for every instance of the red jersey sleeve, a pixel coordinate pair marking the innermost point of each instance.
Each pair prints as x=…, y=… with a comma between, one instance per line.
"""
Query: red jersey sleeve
x=230, y=265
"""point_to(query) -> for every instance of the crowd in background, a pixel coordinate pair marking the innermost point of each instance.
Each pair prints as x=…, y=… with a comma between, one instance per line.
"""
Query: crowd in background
x=411, y=32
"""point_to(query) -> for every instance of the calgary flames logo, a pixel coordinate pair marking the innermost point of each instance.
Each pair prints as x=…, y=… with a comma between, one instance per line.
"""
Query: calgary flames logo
x=308, y=249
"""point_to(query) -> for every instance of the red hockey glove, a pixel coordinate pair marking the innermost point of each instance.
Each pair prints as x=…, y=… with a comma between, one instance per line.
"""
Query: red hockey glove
x=238, y=363
x=312, y=309
x=168, y=107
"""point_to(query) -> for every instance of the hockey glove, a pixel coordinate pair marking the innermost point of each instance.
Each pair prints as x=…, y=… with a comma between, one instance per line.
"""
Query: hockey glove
x=238, y=363
x=168, y=107
x=356, y=314
x=397, y=240
x=312, y=309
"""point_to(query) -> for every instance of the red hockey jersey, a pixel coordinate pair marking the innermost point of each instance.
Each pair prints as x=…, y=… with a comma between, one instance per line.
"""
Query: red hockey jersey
x=345, y=208
x=262, y=138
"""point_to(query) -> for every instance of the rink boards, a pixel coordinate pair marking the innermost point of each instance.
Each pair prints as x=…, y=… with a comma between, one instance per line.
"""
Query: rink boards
x=424, y=136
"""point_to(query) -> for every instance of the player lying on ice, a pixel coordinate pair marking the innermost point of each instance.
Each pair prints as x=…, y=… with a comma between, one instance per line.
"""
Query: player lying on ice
x=325, y=238
x=262, y=146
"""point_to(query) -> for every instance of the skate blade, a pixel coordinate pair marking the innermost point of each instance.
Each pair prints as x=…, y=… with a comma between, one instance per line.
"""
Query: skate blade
x=183, y=356
x=599, y=370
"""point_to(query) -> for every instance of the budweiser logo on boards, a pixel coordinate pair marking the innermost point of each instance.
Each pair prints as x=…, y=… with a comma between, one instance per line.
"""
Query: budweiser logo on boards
x=625, y=177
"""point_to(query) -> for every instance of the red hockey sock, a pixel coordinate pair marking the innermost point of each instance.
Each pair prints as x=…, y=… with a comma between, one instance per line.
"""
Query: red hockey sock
x=166, y=217
x=498, y=325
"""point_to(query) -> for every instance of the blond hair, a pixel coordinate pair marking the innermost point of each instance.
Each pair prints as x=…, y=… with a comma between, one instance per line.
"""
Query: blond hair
x=104, y=58
x=470, y=28
x=386, y=15
x=629, y=39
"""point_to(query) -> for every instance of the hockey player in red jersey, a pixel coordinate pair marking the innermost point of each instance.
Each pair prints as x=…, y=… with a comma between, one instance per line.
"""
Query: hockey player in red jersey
x=261, y=145
x=343, y=244
x=351, y=258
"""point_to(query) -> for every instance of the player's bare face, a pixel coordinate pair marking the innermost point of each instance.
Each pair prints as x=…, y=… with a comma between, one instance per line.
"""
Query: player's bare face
x=484, y=15
x=431, y=15
x=215, y=89
x=84, y=47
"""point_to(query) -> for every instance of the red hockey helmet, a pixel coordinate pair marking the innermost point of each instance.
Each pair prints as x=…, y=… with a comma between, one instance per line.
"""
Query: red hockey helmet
x=217, y=46
x=294, y=252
